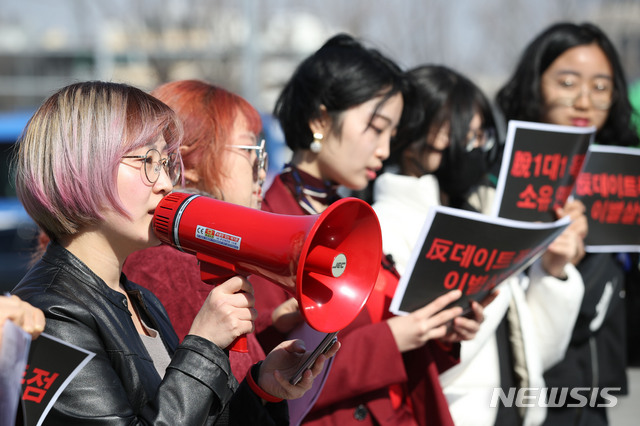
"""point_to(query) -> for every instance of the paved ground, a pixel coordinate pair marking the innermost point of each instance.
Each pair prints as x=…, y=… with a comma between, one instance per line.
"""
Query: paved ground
x=627, y=411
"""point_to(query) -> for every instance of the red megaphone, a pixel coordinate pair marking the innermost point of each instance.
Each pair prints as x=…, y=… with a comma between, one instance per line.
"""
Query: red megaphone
x=329, y=262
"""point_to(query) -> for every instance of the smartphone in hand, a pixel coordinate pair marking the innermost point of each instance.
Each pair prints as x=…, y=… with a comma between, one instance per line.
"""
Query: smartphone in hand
x=307, y=363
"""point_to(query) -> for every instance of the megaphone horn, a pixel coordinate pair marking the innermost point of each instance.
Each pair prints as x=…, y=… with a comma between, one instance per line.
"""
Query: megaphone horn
x=329, y=261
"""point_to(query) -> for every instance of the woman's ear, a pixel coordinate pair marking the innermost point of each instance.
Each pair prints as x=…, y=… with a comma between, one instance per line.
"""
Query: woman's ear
x=185, y=149
x=322, y=123
x=191, y=175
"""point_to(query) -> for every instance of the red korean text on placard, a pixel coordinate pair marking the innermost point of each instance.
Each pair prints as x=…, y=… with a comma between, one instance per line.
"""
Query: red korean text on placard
x=583, y=185
x=626, y=213
x=552, y=166
x=631, y=214
x=523, y=254
x=439, y=249
x=474, y=283
x=606, y=185
x=576, y=165
x=532, y=200
x=468, y=255
x=504, y=259
x=37, y=382
x=562, y=193
x=521, y=166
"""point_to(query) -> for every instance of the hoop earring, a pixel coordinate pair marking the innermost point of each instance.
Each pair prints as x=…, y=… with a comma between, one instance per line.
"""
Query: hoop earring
x=316, y=145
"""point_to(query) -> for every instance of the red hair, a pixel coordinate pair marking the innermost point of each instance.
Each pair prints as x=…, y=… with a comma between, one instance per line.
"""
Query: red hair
x=207, y=113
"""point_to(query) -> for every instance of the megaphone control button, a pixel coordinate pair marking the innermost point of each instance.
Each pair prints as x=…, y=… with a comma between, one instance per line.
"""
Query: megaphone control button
x=339, y=265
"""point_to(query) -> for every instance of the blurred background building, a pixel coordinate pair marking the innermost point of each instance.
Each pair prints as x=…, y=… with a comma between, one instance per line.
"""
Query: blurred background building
x=252, y=46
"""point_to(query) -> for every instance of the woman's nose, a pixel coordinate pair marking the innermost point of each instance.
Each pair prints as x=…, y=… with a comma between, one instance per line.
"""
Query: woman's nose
x=384, y=149
x=164, y=182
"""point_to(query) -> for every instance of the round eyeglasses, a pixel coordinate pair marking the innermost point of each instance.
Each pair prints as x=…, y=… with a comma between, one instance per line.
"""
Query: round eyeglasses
x=601, y=95
x=484, y=139
x=261, y=163
x=598, y=103
x=154, y=163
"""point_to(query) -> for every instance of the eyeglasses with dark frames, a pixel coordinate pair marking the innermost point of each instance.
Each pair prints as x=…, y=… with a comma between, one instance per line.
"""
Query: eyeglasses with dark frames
x=484, y=139
x=154, y=163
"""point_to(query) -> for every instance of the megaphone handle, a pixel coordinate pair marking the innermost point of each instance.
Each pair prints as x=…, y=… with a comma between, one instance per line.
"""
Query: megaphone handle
x=239, y=345
x=214, y=271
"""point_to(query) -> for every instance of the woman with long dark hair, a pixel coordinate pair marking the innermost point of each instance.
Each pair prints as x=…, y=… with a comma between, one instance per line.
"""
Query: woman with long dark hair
x=570, y=74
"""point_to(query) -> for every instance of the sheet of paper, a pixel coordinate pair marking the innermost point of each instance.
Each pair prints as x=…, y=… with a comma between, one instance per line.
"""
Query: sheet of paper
x=51, y=366
x=471, y=252
x=609, y=187
x=13, y=359
x=539, y=168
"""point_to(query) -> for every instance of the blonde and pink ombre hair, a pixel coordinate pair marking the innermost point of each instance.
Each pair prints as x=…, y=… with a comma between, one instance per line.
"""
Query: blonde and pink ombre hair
x=69, y=153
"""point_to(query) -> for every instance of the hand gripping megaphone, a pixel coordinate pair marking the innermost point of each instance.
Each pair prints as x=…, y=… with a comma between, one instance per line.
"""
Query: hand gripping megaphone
x=329, y=262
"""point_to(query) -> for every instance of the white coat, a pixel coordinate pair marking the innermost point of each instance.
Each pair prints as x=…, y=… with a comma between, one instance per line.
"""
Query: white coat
x=547, y=307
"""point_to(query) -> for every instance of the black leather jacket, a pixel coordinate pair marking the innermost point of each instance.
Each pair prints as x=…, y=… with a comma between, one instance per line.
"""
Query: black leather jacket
x=120, y=385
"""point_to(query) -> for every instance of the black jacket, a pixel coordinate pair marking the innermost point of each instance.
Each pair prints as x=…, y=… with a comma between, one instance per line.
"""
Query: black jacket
x=120, y=385
x=596, y=356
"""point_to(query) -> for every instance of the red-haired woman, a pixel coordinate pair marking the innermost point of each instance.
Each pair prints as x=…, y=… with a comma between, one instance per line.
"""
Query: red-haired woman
x=223, y=158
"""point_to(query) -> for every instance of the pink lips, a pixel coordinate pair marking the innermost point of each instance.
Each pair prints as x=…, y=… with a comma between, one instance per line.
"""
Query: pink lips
x=371, y=174
x=580, y=122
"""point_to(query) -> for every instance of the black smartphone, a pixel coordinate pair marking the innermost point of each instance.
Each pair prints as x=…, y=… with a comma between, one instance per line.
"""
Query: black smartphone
x=307, y=363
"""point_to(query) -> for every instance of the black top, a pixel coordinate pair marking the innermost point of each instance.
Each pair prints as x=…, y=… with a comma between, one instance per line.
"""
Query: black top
x=120, y=385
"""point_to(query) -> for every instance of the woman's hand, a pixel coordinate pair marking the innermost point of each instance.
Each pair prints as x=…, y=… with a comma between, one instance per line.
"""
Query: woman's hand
x=227, y=313
x=22, y=314
x=465, y=327
x=286, y=316
x=568, y=247
x=282, y=363
x=429, y=322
